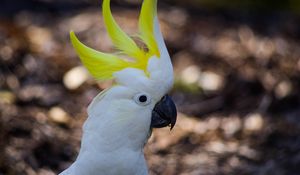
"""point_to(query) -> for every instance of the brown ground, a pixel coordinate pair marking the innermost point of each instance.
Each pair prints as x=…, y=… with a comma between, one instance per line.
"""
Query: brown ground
x=237, y=88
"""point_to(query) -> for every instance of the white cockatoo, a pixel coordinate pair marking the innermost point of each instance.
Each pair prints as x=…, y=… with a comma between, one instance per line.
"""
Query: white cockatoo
x=120, y=119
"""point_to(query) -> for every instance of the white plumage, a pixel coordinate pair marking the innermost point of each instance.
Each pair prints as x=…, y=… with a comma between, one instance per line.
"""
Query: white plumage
x=119, y=121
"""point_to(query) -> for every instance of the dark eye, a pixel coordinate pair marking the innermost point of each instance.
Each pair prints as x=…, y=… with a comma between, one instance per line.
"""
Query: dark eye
x=142, y=99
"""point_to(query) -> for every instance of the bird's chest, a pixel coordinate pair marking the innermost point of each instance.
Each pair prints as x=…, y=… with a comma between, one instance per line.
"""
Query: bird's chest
x=119, y=162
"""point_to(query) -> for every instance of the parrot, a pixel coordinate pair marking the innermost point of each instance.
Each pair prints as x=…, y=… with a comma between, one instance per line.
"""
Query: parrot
x=121, y=118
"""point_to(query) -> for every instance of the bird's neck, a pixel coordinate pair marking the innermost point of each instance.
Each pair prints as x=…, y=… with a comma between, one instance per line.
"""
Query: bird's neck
x=105, y=137
x=105, y=148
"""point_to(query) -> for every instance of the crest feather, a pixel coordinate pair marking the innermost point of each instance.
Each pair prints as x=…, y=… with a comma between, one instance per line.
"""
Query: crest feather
x=146, y=25
x=101, y=65
x=119, y=38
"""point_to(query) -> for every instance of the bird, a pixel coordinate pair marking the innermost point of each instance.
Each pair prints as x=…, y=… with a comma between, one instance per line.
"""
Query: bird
x=121, y=118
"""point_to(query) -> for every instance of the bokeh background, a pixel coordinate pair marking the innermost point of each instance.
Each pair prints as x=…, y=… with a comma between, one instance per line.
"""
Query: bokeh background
x=237, y=89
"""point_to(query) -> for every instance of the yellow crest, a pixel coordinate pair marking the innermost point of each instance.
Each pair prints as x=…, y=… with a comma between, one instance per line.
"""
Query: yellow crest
x=103, y=65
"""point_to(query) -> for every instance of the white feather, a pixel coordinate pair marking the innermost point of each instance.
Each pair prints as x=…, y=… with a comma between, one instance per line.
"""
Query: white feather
x=114, y=135
x=117, y=128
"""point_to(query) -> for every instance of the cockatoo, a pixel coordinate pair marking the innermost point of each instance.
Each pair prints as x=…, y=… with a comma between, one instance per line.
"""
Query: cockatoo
x=120, y=119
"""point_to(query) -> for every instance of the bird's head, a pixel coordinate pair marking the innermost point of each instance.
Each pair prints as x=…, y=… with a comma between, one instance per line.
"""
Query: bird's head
x=143, y=77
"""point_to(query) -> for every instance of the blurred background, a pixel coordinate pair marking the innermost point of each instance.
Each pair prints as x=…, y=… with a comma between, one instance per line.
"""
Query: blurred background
x=237, y=88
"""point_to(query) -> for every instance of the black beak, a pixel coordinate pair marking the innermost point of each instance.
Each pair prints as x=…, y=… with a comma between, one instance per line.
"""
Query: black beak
x=164, y=113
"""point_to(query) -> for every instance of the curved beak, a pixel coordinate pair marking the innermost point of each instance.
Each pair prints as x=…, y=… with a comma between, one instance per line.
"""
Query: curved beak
x=164, y=113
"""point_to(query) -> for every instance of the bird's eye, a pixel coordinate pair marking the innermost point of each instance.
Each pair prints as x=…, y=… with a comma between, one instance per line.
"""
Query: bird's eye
x=142, y=99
